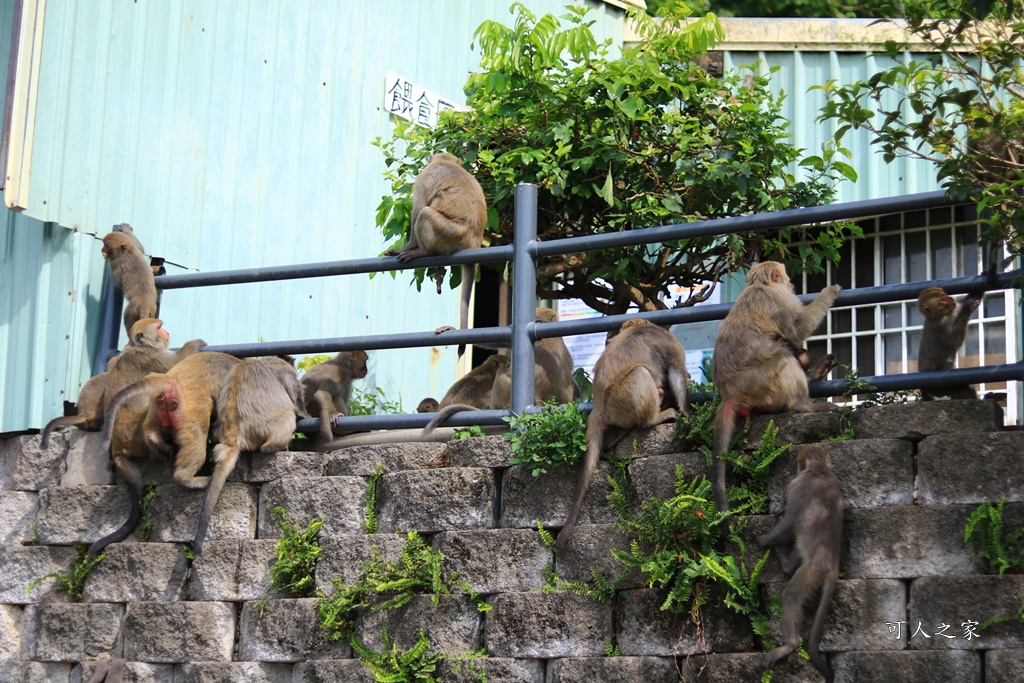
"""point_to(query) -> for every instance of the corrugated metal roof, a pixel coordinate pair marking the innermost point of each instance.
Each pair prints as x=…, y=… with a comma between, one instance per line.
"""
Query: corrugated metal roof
x=229, y=135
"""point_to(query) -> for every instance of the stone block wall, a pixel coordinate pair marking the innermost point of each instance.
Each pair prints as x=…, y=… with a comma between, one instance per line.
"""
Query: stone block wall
x=909, y=583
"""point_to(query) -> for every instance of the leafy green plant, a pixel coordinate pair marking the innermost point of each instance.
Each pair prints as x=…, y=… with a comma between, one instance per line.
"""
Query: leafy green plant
x=546, y=537
x=73, y=583
x=696, y=432
x=370, y=509
x=392, y=665
x=372, y=402
x=467, y=432
x=999, y=549
x=585, y=383
x=417, y=572
x=552, y=439
x=957, y=102
x=145, y=525
x=311, y=361
x=675, y=543
x=296, y=555
x=617, y=139
x=869, y=396
x=751, y=496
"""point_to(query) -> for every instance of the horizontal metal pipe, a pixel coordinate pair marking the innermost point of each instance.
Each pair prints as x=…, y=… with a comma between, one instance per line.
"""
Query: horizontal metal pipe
x=924, y=380
x=717, y=226
x=910, y=380
x=492, y=335
x=406, y=421
x=329, y=268
x=749, y=223
x=853, y=297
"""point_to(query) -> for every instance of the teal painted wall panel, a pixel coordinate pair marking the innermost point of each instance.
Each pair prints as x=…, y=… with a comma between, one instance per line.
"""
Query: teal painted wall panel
x=796, y=73
x=234, y=135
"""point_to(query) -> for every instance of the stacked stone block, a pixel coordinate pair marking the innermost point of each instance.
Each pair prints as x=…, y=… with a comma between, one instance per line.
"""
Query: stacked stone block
x=911, y=478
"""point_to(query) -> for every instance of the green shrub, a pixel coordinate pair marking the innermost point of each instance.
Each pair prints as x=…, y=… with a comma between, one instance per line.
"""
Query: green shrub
x=553, y=439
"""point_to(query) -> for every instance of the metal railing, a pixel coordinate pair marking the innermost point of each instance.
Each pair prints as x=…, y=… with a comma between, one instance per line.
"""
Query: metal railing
x=524, y=330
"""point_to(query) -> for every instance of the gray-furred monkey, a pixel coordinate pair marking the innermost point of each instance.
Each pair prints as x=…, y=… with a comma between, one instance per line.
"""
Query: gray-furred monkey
x=808, y=540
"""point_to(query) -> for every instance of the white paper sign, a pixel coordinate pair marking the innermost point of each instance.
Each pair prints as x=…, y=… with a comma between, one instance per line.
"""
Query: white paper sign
x=412, y=102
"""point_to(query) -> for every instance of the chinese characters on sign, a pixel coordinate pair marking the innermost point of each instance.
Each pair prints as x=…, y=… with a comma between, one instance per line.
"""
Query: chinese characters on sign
x=967, y=630
x=409, y=101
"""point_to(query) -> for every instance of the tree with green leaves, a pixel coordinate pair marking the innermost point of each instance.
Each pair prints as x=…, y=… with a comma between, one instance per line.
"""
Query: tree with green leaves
x=803, y=9
x=616, y=142
x=955, y=97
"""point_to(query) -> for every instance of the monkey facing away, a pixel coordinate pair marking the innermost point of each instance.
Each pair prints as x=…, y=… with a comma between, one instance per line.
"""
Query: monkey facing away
x=755, y=366
x=552, y=371
x=168, y=414
x=326, y=388
x=808, y=541
x=90, y=413
x=945, y=328
x=256, y=411
x=638, y=362
x=131, y=272
x=471, y=392
x=449, y=213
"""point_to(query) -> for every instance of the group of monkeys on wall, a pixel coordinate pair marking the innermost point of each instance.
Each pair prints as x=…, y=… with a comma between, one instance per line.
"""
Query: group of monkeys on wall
x=152, y=400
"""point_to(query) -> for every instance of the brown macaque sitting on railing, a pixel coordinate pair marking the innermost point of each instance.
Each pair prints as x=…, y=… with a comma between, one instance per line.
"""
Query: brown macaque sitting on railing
x=449, y=213
x=471, y=392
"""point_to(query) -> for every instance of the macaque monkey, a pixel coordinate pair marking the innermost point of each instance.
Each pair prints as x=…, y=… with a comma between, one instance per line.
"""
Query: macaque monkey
x=552, y=372
x=818, y=372
x=638, y=362
x=256, y=411
x=146, y=352
x=471, y=392
x=449, y=213
x=168, y=414
x=131, y=272
x=945, y=327
x=755, y=367
x=90, y=409
x=326, y=388
x=808, y=540
x=428, y=405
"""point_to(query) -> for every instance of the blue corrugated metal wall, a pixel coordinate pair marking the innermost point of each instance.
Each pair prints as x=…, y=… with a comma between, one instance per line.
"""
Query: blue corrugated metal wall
x=230, y=135
x=796, y=72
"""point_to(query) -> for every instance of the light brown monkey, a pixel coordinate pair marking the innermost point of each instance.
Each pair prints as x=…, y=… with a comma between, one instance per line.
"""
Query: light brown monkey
x=945, y=327
x=165, y=413
x=449, y=213
x=638, y=362
x=471, y=392
x=326, y=388
x=552, y=372
x=754, y=367
x=131, y=272
x=90, y=409
x=146, y=352
x=808, y=540
x=256, y=411
x=428, y=405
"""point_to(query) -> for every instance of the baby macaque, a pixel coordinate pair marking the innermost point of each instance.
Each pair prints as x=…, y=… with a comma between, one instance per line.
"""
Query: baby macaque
x=945, y=328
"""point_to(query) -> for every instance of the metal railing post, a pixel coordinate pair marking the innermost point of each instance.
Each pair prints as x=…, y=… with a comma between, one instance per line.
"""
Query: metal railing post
x=524, y=296
x=110, y=324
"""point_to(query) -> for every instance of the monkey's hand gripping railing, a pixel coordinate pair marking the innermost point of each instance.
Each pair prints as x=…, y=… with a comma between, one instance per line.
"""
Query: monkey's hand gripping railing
x=524, y=330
